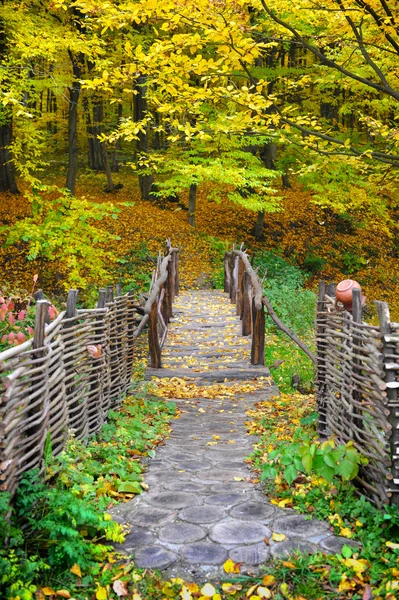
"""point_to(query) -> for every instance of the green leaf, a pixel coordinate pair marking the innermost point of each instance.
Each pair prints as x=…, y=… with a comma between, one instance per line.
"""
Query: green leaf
x=346, y=551
x=129, y=487
x=346, y=469
x=290, y=473
x=329, y=460
x=307, y=461
x=326, y=472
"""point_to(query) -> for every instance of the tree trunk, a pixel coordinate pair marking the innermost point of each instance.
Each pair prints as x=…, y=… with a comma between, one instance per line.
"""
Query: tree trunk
x=117, y=147
x=95, y=152
x=107, y=167
x=7, y=170
x=192, y=201
x=259, y=227
x=74, y=94
x=140, y=108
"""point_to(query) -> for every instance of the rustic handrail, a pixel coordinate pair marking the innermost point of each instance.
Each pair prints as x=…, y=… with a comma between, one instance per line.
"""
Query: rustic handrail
x=158, y=307
x=242, y=283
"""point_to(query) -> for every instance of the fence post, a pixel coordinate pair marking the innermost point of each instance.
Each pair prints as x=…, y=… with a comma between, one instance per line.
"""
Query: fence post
x=109, y=293
x=392, y=402
x=258, y=335
x=240, y=275
x=118, y=290
x=40, y=411
x=177, y=282
x=321, y=360
x=153, y=340
x=357, y=310
x=246, y=304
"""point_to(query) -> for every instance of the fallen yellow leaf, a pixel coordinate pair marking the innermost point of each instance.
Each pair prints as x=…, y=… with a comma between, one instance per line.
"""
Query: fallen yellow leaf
x=278, y=537
x=76, y=570
x=230, y=566
x=47, y=591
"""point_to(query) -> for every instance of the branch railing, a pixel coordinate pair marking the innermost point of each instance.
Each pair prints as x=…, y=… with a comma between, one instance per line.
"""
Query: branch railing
x=74, y=370
x=242, y=283
x=158, y=307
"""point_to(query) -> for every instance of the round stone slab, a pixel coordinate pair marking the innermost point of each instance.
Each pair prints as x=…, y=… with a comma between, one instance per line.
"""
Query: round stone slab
x=137, y=538
x=232, y=487
x=202, y=514
x=172, y=499
x=193, y=465
x=334, y=544
x=288, y=547
x=181, y=533
x=298, y=526
x=166, y=476
x=154, y=557
x=221, y=475
x=239, y=532
x=253, y=511
x=149, y=515
x=204, y=553
x=225, y=500
x=250, y=555
x=186, y=486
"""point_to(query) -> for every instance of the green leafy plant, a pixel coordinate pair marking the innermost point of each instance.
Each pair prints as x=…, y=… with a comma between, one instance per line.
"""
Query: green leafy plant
x=62, y=228
x=327, y=459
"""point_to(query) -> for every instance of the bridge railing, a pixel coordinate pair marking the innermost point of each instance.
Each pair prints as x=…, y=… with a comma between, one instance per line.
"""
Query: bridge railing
x=74, y=370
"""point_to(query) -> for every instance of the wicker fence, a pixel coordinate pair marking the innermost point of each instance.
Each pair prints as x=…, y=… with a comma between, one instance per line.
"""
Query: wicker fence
x=357, y=372
x=357, y=382
x=74, y=370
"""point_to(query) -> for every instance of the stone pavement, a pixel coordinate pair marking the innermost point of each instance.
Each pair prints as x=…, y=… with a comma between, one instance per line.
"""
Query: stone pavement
x=202, y=506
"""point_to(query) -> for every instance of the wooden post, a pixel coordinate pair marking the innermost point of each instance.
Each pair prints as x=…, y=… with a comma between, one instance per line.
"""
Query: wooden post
x=102, y=298
x=226, y=279
x=258, y=335
x=246, y=305
x=233, y=281
x=357, y=310
x=321, y=361
x=231, y=269
x=153, y=340
x=39, y=412
x=177, y=282
x=109, y=293
x=71, y=304
x=118, y=290
x=240, y=275
x=392, y=404
x=40, y=323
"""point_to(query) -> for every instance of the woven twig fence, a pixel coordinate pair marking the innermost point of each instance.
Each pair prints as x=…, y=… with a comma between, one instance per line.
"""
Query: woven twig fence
x=71, y=373
x=357, y=382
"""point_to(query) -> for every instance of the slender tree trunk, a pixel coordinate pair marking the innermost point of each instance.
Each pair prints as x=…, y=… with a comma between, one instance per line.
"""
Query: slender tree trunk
x=117, y=147
x=94, y=129
x=258, y=229
x=74, y=95
x=7, y=170
x=107, y=167
x=140, y=108
x=192, y=201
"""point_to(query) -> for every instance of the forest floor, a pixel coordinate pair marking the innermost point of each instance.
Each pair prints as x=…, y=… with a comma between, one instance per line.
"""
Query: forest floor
x=361, y=246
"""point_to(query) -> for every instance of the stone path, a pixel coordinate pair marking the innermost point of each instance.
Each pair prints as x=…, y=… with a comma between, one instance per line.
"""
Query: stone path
x=202, y=507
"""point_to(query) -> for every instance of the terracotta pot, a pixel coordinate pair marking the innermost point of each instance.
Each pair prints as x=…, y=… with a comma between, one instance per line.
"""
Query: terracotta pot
x=344, y=290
